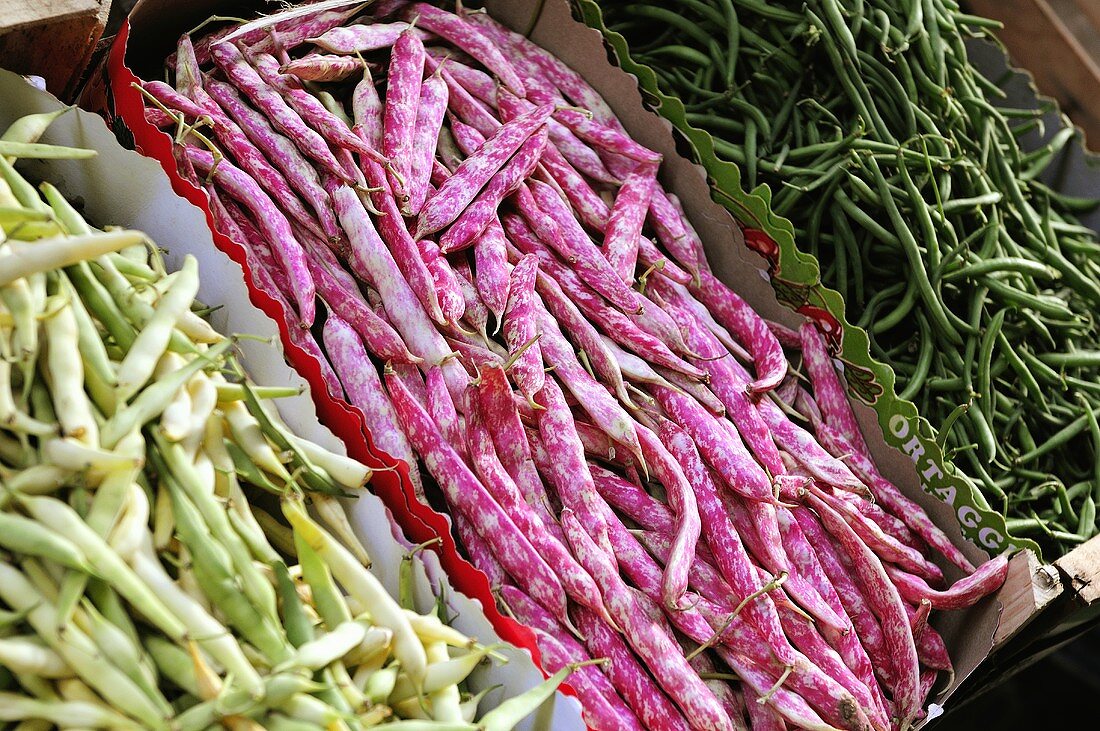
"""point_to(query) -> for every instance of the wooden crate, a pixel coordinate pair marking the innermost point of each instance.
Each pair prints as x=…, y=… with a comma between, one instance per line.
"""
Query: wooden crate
x=1058, y=42
x=53, y=39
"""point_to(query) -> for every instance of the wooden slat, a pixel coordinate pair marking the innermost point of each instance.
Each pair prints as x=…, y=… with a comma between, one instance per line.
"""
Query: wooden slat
x=57, y=48
x=1091, y=10
x=1039, y=41
x=1029, y=589
x=1082, y=567
x=17, y=13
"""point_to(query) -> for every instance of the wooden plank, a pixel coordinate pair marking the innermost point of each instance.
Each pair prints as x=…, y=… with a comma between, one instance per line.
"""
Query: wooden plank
x=1039, y=41
x=1091, y=10
x=18, y=13
x=1082, y=568
x=58, y=50
x=1030, y=588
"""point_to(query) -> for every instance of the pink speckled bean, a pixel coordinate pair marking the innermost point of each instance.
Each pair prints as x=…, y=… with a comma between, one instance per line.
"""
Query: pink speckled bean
x=464, y=105
x=962, y=594
x=406, y=72
x=624, y=225
x=729, y=554
x=475, y=171
x=364, y=391
x=629, y=677
x=367, y=110
x=247, y=155
x=425, y=138
x=521, y=329
x=727, y=456
x=580, y=155
x=491, y=265
x=729, y=388
x=674, y=293
x=351, y=39
x=696, y=389
x=741, y=648
x=467, y=37
x=288, y=28
x=476, y=82
x=886, y=547
x=549, y=67
x=597, y=710
x=590, y=264
x=378, y=336
x=592, y=396
x=502, y=420
x=578, y=585
x=568, y=472
x=693, y=236
x=590, y=207
x=238, y=227
x=477, y=314
x=466, y=495
x=478, y=215
x=271, y=103
x=279, y=151
x=402, y=307
x=657, y=649
x=671, y=231
x=765, y=718
x=883, y=597
x=479, y=554
x=891, y=498
x=451, y=301
x=271, y=222
x=404, y=250
x=442, y=410
x=804, y=559
x=656, y=320
x=531, y=614
x=583, y=333
x=805, y=636
x=828, y=390
x=807, y=451
x=602, y=136
x=322, y=67
x=736, y=314
x=667, y=467
x=291, y=31
x=931, y=649
x=613, y=322
x=543, y=225
x=918, y=619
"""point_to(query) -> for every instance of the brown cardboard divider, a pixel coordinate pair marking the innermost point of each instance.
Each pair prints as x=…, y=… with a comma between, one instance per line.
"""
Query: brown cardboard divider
x=156, y=24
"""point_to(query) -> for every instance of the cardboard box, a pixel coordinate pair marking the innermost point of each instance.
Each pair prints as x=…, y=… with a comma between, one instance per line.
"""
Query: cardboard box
x=900, y=442
x=119, y=187
x=53, y=39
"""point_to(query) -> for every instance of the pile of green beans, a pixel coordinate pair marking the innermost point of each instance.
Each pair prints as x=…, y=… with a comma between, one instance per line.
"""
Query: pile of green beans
x=142, y=586
x=902, y=170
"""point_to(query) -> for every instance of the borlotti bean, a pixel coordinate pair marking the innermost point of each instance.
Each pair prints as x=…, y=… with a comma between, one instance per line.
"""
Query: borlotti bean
x=650, y=473
x=138, y=586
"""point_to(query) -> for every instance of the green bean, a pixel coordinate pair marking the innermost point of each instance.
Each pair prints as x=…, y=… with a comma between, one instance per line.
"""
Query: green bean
x=214, y=575
x=77, y=650
x=25, y=536
x=977, y=211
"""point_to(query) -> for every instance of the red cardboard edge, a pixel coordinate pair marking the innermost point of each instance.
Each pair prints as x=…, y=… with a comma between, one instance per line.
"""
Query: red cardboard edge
x=390, y=481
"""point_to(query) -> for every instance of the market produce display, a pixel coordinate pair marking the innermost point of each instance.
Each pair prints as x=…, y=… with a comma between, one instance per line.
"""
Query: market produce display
x=160, y=567
x=485, y=263
x=903, y=170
